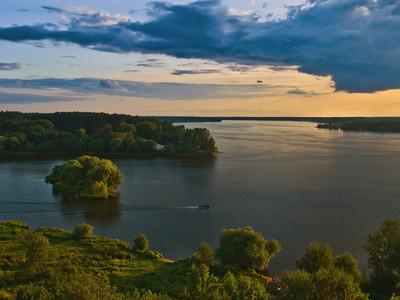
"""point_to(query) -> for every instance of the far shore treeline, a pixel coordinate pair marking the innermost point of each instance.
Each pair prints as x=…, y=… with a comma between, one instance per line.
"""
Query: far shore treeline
x=367, y=124
x=77, y=133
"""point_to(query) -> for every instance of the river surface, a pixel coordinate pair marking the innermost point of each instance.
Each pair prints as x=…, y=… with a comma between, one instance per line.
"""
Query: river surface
x=288, y=180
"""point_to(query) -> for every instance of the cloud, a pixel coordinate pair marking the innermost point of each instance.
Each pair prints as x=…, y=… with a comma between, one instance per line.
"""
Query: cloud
x=151, y=63
x=238, y=68
x=193, y=72
x=356, y=42
x=19, y=98
x=110, y=84
x=9, y=66
x=81, y=87
x=298, y=91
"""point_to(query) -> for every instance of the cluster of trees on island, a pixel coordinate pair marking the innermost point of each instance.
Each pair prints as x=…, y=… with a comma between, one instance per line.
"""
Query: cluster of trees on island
x=86, y=177
x=98, y=133
x=365, y=124
x=51, y=263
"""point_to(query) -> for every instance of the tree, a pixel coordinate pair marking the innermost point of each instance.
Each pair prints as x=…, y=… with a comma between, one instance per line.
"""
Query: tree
x=116, y=145
x=347, y=263
x=146, y=129
x=324, y=284
x=141, y=243
x=82, y=231
x=322, y=276
x=87, y=176
x=316, y=256
x=38, y=251
x=125, y=127
x=383, y=249
x=204, y=254
x=200, y=284
x=244, y=248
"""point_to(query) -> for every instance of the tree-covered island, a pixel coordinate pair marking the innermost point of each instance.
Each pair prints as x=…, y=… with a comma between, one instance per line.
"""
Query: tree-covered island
x=364, y=124
x=81, y=133
x=87, y=177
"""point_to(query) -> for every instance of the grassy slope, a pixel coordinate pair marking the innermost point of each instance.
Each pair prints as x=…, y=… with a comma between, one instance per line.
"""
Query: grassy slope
x=126, y=269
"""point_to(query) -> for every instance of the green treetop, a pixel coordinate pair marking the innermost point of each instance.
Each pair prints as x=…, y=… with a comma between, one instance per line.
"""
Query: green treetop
x=87, y=176
x=244, y=248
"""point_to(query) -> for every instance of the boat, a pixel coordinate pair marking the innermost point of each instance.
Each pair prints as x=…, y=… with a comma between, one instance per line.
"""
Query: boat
x=208, y=206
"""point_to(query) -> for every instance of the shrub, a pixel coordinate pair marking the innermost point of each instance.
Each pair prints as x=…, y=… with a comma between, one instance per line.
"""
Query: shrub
x=38, y=251
x=82, y=231
x=141, y=243
x=244, y=248
x=31, y=291
x=154, y=254
x=204, y=255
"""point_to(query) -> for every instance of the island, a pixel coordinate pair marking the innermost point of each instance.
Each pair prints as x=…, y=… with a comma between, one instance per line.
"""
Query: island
x=86, y=177
x=70, y=134
x=389, y=124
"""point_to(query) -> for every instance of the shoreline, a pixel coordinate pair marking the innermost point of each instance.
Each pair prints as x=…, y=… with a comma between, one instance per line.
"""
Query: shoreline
x=38, y=156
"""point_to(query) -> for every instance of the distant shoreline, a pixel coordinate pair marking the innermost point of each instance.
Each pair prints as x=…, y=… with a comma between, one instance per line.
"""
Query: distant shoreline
x=189, y=119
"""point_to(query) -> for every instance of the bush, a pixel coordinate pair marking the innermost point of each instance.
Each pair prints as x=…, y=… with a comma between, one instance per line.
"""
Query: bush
x=316, y=257
x=83, y=285
x=244, y=248
x=38, y=252
x=31, y=291
x=154, y=254
x=204, y=255
x=82, y=231
x=141, y=243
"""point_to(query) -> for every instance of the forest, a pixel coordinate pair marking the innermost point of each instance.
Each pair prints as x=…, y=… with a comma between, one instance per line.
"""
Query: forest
x=52, y=263
x=365, y=124
x=78, y=133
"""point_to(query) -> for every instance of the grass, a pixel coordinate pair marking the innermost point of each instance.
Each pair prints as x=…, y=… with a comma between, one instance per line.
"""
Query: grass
x=111, y=257
x=95, y=264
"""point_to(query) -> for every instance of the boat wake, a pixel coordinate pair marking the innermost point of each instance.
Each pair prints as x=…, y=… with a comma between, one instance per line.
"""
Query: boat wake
x=150, y=207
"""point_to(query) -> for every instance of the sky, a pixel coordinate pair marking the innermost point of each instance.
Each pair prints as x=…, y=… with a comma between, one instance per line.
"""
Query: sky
x=201, y=58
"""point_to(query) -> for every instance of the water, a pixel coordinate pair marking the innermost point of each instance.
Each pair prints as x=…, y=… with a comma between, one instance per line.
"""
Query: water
x=288, y=180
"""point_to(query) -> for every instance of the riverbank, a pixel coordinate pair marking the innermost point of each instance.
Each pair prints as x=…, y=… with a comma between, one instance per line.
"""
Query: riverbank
x=9, y=156
x=95, y=267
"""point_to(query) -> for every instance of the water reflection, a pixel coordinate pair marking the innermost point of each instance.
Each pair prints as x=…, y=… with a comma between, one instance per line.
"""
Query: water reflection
x=98, y=210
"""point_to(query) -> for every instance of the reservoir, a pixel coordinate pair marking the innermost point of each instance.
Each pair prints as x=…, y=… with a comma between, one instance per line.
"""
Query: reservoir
x=288, y=180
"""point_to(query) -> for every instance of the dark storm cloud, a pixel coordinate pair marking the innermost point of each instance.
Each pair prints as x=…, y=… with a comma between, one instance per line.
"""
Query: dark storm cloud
x=9, y=66
x=357, y=42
